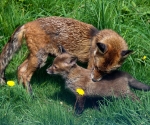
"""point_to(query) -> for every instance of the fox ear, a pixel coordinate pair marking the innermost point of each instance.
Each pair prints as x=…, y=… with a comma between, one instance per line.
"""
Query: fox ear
x=126, y=53
x=102, y=47
x=61, y=49
x=73, y=60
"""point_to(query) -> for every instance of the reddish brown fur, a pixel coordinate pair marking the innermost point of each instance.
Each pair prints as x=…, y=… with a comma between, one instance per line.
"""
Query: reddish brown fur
x=114, y=84
x=111, y=59
x=45, y=34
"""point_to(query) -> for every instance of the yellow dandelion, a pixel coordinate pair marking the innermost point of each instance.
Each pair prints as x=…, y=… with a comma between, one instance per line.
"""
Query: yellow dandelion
x=144, y=58
x=80, y=91
x=10, y=83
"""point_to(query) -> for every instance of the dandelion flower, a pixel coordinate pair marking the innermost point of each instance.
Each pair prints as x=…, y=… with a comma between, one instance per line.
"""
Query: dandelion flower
x=144, y=58
x=10, y=83
x=80, y=91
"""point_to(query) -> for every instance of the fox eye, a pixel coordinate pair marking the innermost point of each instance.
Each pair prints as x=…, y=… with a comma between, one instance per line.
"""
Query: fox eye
x=55, y=67
x=97, y=68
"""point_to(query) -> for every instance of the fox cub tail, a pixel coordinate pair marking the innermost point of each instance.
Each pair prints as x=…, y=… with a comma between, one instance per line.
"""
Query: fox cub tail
x=133, y=83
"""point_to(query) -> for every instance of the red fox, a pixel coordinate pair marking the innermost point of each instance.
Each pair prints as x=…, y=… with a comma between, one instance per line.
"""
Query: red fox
x=105, y=50
x=116, y=84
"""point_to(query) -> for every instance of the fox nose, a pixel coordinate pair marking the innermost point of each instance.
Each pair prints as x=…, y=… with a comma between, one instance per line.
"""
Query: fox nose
x=94, y=80
x=49, y=71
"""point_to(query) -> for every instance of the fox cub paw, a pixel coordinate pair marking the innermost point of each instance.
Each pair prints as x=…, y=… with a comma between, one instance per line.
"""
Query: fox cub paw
x=78, y=110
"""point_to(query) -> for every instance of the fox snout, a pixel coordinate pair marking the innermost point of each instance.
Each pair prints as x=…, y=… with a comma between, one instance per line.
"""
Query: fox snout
x=96, y=75
x=50, y=70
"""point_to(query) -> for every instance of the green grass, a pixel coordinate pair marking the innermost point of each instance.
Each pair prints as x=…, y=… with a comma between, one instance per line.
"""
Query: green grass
x=52, y=103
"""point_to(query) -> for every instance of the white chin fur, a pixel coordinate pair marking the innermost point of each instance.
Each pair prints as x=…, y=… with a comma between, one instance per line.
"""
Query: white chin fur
x=95, y=52
x=99, y=79
x=92, y=77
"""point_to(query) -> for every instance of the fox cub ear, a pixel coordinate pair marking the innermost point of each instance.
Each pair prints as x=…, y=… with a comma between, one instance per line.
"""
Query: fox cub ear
x=73, y=60
x=102, y=47
x=126, y=53
x=61, y=49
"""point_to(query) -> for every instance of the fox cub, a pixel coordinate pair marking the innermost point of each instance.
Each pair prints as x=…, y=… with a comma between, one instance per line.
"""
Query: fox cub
x=116, y=84
x=105, y=50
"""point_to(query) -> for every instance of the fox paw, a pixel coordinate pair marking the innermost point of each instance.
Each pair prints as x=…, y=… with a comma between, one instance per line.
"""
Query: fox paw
x=78, y=111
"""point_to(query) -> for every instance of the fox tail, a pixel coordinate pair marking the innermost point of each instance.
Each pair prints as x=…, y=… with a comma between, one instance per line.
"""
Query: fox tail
x=135, y=84
x=9, y=49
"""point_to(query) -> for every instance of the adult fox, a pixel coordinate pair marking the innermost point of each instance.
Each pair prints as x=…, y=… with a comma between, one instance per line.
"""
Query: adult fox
x=78, y=81
x=105, y=50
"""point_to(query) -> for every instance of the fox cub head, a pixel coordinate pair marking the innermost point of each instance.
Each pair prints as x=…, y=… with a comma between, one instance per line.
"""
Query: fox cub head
x=108, y=57
x=62, y=63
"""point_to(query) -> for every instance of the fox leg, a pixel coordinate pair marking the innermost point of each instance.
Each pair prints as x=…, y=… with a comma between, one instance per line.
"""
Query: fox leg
x=79, y=104
x=130, y=95
x=133, y=96
x=21, y=69
x=27, y=68
x=90, y=63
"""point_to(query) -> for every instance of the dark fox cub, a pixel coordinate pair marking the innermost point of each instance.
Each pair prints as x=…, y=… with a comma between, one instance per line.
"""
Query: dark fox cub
x=105, y=50
x=116, y=84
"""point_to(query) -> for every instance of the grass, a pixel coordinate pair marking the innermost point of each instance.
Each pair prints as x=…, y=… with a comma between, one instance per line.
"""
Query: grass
x=52, y=103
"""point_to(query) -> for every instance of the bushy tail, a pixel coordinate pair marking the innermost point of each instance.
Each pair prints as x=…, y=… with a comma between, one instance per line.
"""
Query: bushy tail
x=133, y=83
x=9, y=49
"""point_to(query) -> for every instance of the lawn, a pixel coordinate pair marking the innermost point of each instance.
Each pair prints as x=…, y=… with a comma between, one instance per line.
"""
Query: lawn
x=52, y=103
